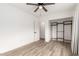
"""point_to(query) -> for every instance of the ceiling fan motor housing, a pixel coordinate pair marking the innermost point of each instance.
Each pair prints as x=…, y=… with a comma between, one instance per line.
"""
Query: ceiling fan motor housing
x=40, y=4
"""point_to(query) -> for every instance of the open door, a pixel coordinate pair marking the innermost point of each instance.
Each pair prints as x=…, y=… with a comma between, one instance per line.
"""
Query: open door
x=42, y=31
x=36, y=30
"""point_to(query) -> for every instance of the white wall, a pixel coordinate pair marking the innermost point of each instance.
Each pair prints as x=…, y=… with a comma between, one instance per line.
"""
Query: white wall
x=53, y=16
x=75, y=36
x=16, y=28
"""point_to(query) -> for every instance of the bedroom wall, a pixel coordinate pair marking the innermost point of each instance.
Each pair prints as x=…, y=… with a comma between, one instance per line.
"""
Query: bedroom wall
x=75, y=36
x=16, y=28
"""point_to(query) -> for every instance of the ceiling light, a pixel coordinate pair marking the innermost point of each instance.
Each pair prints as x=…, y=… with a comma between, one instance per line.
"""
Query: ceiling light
x=40, y=7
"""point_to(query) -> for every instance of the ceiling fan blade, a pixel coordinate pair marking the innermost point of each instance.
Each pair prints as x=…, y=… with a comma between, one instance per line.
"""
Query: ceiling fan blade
x=44, y=9
x=36, y=9
x=32, y=4
x=48, y=3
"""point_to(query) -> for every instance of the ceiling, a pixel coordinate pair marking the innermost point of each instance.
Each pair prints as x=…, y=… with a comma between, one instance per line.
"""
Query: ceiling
x=58, y=7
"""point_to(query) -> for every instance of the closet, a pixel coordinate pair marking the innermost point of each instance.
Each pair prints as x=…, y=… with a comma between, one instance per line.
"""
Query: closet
x=61, y=30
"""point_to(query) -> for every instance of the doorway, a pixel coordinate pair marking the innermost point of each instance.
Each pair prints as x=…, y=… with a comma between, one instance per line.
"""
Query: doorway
x=42, y=31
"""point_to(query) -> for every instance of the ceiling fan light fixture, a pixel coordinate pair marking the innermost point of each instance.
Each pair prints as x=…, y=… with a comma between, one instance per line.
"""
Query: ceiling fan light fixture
x=40, y=7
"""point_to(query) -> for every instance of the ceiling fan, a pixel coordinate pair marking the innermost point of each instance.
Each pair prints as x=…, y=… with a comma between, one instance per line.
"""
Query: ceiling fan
x=40, y=5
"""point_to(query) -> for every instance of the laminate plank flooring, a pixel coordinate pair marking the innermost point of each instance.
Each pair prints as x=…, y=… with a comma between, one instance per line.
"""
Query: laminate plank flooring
x=41, y=48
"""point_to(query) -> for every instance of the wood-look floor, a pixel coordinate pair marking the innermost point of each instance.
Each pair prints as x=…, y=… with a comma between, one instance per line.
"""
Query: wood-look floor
x=41, y=48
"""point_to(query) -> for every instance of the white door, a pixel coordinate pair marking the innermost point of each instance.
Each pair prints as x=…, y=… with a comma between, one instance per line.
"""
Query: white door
x=36, y=30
